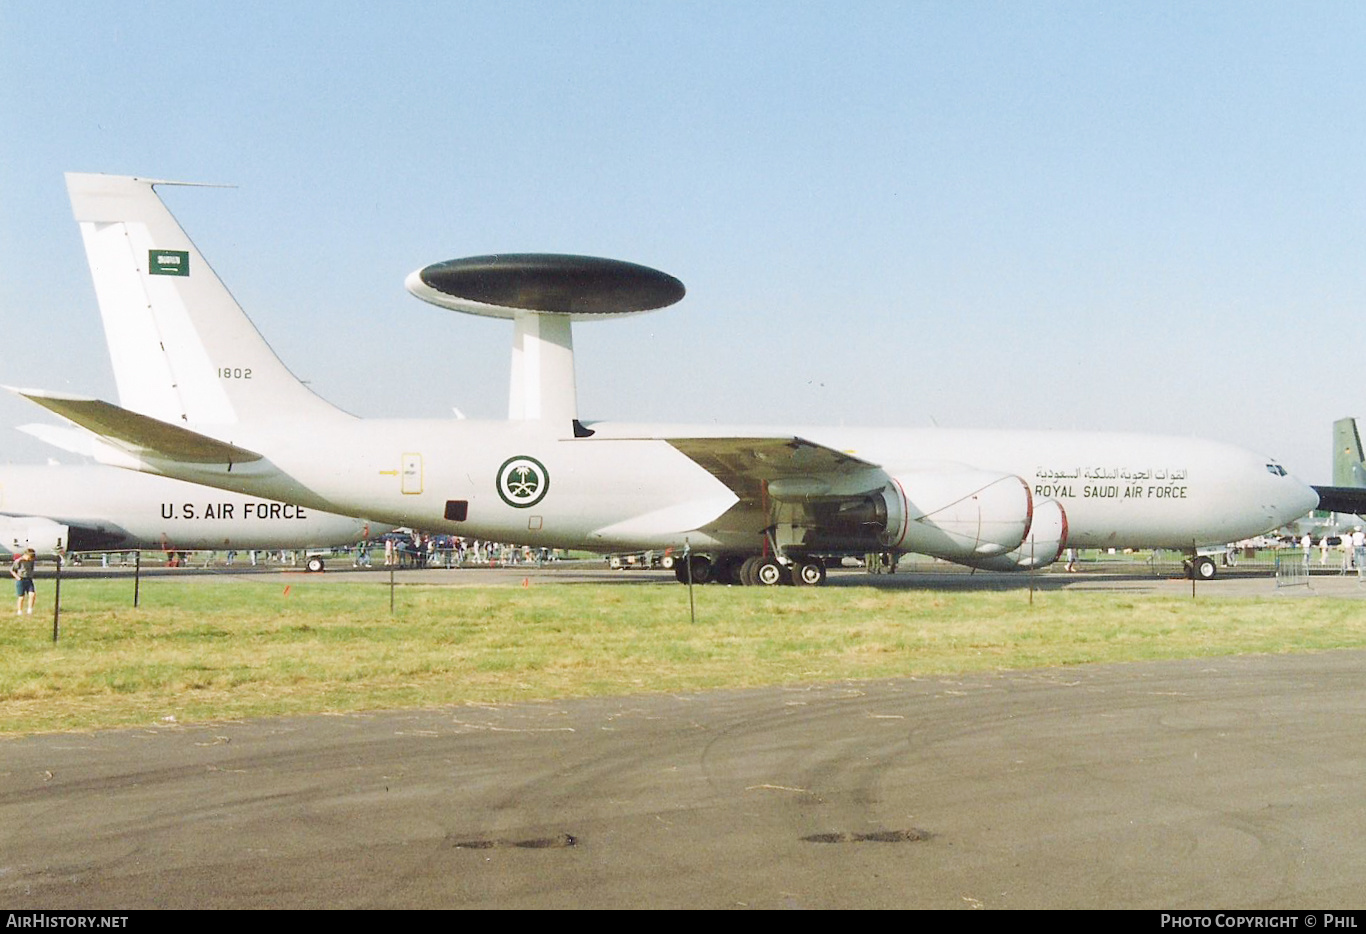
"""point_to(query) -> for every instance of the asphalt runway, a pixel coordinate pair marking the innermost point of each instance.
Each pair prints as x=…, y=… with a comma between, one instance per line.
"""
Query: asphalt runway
x=1223, y=783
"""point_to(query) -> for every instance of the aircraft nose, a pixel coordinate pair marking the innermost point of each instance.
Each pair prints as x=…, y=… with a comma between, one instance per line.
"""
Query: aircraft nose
x=1299, y=500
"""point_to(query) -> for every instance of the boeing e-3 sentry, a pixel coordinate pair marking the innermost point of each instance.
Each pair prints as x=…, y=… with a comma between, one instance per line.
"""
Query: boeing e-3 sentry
x=205, y=399
x=68, y=508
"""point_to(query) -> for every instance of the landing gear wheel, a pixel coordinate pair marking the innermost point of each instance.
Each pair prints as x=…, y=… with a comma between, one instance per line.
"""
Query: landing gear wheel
x=727, y=570
x=1204, y=568
x=701, y=570
x=315, y=564
x=808, y=574
x=770, y=573
x=746, y=575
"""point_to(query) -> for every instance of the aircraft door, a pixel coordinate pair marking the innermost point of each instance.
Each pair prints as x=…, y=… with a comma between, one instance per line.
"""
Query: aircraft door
x=412, y=474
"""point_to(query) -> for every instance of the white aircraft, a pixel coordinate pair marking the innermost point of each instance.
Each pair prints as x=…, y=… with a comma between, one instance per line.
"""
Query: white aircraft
x=58, y=509
x=205, y=399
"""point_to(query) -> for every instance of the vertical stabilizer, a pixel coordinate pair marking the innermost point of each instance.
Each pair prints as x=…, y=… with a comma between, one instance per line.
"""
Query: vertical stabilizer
x=182, y=349
x=1348, y=469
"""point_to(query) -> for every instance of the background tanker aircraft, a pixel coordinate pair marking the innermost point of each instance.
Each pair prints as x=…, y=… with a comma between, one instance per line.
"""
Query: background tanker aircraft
x=1349, y=461
x=56, y=509
x=203, y=398
x=1347, y=495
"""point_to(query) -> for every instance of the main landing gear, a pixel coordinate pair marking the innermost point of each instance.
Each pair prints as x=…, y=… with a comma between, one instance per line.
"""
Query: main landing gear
x=752, y=571
x=1200, y=567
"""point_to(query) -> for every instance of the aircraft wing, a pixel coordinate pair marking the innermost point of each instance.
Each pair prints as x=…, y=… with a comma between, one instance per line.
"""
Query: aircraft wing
x=745, y=465
x=1350, y=499
x=139, y=433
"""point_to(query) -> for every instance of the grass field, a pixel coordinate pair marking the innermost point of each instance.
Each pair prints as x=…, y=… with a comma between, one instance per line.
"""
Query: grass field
x=202, y=649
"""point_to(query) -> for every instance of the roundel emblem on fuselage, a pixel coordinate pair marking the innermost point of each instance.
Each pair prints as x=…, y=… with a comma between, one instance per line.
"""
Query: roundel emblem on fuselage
x=523, y=481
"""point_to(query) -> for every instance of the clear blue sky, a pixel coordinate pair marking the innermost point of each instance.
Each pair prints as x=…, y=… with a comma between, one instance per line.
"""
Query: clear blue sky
x=1141, y=216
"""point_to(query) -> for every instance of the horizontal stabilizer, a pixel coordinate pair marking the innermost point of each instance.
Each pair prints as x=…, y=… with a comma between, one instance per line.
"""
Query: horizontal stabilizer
x=75, y=440
x=139, y=433
x=1350, y=499
x=79, y=441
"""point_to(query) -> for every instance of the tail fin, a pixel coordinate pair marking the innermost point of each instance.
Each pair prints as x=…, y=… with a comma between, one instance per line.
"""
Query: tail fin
x=1348, y=469
x=183, y=350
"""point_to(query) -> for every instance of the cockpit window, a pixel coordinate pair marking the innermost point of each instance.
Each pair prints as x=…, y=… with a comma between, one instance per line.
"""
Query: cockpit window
x=1275, y=469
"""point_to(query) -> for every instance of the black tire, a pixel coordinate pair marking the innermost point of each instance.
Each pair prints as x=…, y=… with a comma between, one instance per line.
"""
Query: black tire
x=746, y=575
x=1205, y=569
x=770, y=573
x=701, y=569
x=808, y=574
x=726, y=570
x=315, y=564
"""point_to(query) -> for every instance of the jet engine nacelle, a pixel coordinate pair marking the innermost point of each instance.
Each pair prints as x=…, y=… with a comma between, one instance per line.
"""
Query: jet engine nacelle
x=957, y=512
x=42, y=535
x=1042, y=546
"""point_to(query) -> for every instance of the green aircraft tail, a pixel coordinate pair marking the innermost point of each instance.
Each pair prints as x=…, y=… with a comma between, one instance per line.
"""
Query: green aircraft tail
x=1348, y=466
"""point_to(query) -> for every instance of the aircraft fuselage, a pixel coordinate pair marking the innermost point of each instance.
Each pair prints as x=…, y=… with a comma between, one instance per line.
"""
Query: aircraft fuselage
x=623, y=488
x=90, y=508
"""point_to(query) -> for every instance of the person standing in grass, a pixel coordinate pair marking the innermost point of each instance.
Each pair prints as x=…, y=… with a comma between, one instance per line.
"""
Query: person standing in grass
x=22, y=572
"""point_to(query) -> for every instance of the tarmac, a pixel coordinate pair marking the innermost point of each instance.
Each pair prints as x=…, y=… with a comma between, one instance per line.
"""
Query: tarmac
x=1213, y=783
x=1131, y=576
